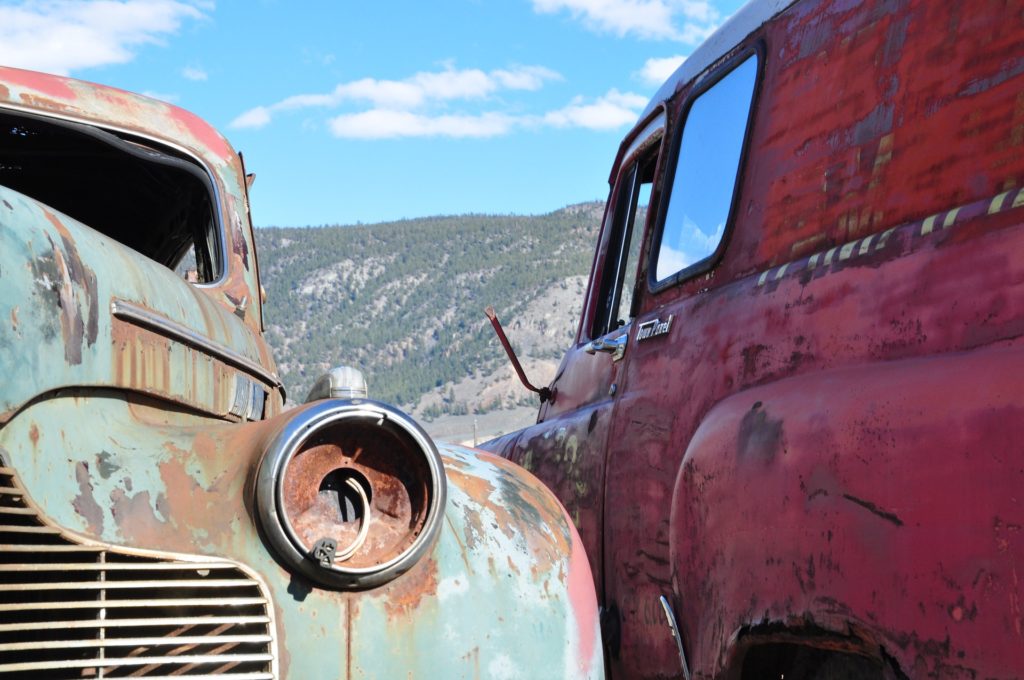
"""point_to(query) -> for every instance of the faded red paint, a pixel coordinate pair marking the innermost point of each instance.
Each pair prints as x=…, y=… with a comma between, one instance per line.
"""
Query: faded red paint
x=821, y=451
x=583, y=604
x=204, y=132
x=53, y=86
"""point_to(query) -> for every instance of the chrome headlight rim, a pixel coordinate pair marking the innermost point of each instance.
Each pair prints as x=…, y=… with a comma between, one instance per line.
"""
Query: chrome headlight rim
x=270, y=503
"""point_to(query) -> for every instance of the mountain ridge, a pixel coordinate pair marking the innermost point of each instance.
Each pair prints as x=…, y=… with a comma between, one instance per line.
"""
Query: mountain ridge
x=403, y=301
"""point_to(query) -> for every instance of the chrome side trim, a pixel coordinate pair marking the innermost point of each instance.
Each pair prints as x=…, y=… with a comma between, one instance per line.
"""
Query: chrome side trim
x=154, y=321
x=671, y=616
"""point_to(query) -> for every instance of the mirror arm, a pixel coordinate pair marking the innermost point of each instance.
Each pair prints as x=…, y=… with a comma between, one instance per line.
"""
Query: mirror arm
x=543, y=392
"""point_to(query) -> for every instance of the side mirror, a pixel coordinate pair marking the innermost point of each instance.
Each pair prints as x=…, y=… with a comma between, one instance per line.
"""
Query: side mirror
x=341, y=382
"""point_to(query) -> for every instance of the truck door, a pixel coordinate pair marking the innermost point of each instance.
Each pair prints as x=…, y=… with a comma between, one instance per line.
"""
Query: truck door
x=663, y=389
x=566, y=448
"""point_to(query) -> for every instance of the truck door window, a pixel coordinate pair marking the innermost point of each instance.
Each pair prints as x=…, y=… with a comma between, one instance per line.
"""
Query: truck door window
x=641, y=200
x=708, y=157
x=619, y=278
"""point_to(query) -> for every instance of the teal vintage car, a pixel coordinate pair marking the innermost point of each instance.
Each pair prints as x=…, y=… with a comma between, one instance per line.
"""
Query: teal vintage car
x=161, y=512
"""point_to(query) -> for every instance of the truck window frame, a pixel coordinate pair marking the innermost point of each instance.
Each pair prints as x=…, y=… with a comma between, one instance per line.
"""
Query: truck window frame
x=714, y=75
x=646, y=145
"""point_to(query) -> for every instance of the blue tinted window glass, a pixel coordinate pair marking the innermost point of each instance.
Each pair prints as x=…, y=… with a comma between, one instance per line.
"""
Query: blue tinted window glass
x=705, y=175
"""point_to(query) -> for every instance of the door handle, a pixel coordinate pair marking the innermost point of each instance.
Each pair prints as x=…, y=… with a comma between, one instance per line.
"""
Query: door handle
x=615, y=346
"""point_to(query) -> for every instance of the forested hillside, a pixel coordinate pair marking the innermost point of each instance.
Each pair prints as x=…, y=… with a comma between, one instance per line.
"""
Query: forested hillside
x=404, y=301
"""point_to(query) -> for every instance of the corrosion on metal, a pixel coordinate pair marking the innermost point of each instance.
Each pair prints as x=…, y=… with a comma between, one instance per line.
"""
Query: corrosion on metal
x=785, y=463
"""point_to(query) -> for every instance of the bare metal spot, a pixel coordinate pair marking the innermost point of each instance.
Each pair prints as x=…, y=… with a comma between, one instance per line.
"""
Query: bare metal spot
x=104, y=464
x=84, y=504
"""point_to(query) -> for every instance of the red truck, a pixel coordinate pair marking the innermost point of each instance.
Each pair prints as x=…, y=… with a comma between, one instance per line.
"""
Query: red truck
x=790, y=429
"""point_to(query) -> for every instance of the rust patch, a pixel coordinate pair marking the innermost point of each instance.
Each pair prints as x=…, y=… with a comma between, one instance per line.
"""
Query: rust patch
x=135, y=517
x=14, y=317
x=189, y=504
x=319, y=505
x=33, y=435
x=239, y=245
x=518, y=502
x=145, y=360
x=760, y=437
x=36, y=102
x=84, y=504
x=751, y=357
x=404, y=594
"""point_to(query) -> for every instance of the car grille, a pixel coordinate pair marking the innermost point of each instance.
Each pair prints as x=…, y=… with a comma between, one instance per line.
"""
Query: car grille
x=73, y=608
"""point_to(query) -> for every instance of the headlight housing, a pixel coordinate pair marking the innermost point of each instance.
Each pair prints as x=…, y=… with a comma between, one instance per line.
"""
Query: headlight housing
x=350, y=493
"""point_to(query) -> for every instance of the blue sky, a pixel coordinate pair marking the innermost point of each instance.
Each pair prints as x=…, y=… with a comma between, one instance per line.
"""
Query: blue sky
x=370, y=111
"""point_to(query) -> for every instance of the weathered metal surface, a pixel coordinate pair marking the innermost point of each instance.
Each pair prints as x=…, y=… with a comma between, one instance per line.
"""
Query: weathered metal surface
x=507, y=573
x=821, y=451
x=69, y=602
x=124, y=413
x=151, y=119
x=59, y=279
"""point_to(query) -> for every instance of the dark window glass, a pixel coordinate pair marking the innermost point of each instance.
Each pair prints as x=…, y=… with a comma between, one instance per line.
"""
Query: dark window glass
x=147, y=197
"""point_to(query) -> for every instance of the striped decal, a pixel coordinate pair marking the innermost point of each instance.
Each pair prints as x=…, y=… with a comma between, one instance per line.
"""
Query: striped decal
x=1008, y=200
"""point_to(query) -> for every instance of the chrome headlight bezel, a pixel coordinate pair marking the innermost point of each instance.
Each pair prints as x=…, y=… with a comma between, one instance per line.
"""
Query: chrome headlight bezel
x=338, y=415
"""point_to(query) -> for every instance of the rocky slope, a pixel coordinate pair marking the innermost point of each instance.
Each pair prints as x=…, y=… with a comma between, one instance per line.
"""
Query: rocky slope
x=404, y=301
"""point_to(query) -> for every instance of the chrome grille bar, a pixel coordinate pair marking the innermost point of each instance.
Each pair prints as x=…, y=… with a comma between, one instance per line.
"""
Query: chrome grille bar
x=132, y=623
x=127, y=585
x=133, y=661
x=121, y=604
x=200, y=618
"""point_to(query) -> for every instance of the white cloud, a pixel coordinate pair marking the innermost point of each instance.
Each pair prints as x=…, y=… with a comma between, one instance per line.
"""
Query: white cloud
x=657, y=70
x=671, y=260
x=61, y=36
x=650, y=19
x=251, y=119
x=706, y=243
x=421, y=89
x=386, y=124
x=611, y=111
x=194, y=73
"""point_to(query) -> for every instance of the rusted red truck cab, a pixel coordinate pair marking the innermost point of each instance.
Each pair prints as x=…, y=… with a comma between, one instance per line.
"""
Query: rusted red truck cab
x=791, y=428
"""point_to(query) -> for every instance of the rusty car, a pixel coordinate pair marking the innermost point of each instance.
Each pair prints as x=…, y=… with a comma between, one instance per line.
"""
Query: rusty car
x=161, y=513
x=790, y=426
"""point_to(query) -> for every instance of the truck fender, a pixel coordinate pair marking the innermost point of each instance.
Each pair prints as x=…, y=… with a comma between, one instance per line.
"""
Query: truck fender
x=867, y=503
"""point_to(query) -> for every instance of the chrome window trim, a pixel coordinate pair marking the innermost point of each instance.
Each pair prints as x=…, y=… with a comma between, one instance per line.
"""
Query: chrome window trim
x=738, y=27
